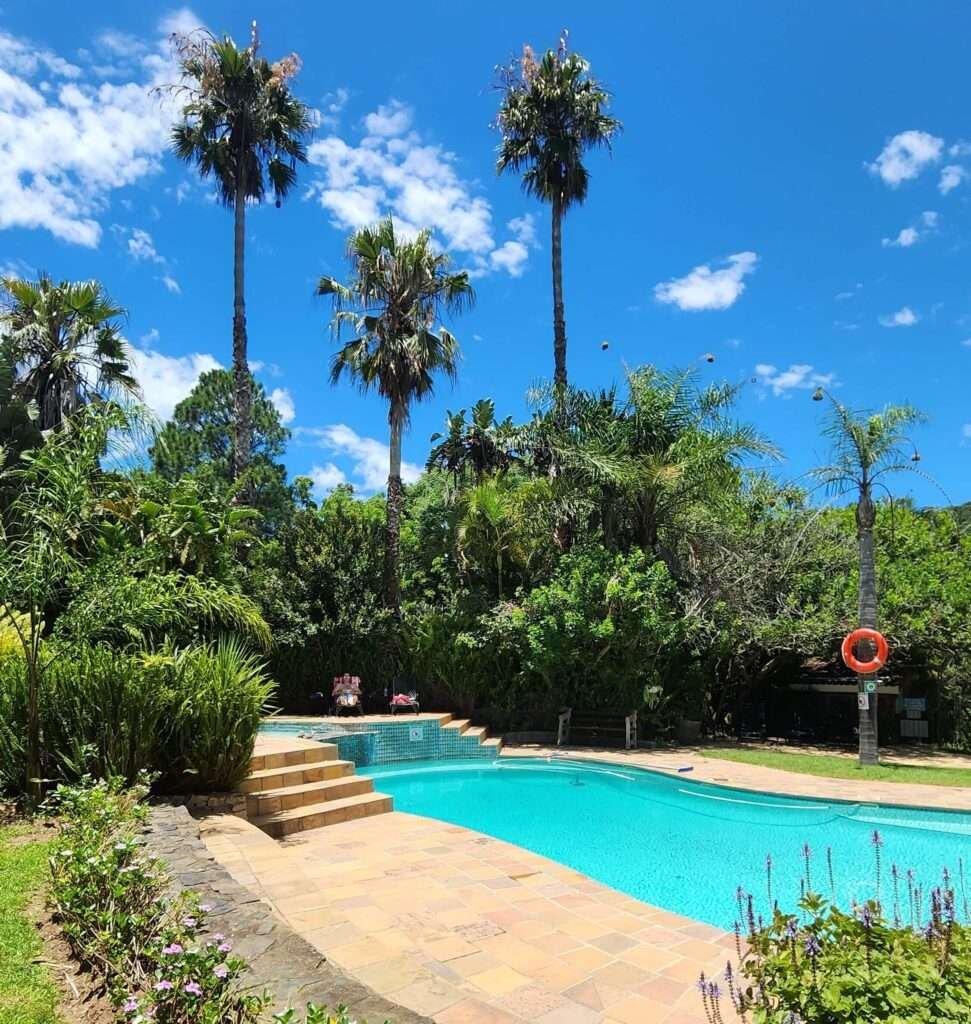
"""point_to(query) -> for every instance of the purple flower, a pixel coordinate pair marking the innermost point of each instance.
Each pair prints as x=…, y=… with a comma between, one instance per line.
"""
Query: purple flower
x=205, y=907
x=173, y=950
x=220, y=970
x=218, y=937
x=812, y=947
x=163, y=986
x=189, y=922
x=194, y=988
x=866, y=916
x=792, y=928
x=224, y=947
x=131, y=1005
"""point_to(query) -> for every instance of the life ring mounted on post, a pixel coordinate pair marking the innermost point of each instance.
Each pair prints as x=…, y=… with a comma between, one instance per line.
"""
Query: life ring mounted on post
x=878, y=660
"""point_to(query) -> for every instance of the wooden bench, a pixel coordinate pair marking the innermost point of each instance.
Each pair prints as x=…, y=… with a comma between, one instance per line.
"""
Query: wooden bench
x=597, y=728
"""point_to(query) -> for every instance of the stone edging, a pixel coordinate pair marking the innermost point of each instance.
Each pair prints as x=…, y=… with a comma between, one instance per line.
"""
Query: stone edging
x=280, y=960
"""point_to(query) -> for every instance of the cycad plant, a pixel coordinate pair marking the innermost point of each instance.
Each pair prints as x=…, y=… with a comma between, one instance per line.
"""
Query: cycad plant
x=552, y=112
x=63, y=346
x=392, y=306
x=242, y=126
x=866, y=447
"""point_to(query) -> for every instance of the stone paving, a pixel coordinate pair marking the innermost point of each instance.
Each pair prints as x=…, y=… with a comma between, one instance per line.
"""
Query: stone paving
x=467, y=929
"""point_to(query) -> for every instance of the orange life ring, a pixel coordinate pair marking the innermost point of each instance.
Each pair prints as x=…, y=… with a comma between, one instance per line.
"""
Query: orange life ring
x=876, y=662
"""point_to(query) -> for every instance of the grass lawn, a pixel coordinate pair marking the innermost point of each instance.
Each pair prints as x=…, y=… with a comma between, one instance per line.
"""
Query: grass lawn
x=832, y=766
x=27, y=994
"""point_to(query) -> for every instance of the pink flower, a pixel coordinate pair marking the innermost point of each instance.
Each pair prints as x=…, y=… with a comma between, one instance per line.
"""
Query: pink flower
x=131, y=1005
x=193, y=988
x=224, y=947
x=218, y=937
x=205, y=907
x=163, y=986
x=173, y=950
x=220, y=970
x=189, y=922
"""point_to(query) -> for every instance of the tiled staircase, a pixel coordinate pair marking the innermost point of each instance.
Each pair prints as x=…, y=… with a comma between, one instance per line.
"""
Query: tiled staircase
x=290, y=791
x=472, y=735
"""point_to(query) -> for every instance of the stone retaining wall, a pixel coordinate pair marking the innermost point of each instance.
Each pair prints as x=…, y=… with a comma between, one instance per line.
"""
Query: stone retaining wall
x=280, y=960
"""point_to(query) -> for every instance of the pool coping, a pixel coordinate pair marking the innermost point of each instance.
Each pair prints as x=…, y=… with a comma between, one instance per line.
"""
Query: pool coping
x=778, y=781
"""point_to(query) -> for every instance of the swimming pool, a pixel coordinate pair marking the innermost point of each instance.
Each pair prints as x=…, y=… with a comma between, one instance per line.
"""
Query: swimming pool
x=681, y=845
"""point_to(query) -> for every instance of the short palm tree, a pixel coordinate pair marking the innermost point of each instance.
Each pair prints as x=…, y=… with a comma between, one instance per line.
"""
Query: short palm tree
x=552, y=111
x=243, y=127
x=64, y=340
x=867, y=446
x=396, y=296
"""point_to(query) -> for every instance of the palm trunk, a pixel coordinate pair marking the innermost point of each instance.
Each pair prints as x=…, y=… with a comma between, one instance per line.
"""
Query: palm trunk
x=35, y=785
x=392, y=532
x=559, y=322
x=242, y=394
x=865, y=516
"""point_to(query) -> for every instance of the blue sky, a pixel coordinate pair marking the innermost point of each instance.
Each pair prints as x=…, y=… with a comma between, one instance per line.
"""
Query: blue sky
x=790, y=193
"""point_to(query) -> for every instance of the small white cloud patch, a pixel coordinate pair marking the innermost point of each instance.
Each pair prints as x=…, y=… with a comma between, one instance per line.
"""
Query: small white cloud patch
x=284, y=405
x=905, y=156
x=704, y=288
x=799, y=376
x=166, y=380
x=327, y=477
x=904, y=317
x=369, y=457
x=951, y=177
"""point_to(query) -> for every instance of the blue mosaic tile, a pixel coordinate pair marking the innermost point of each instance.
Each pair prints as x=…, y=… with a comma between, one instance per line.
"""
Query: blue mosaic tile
x=408, y=740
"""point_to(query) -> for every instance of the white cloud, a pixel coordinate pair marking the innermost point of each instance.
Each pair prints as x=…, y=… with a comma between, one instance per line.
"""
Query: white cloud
x=951, y=176
x=392, y=118
x=367, y=455
x=733, y=342
x=850, y=294
x=171, y=284
x=166, y=380
x=905, y=156
x=271, y=369
x=704, y=288
x=966, y=343
x=142, y=247
x=909, y=236
x=904, y=317
x=393, y=171
x=327, y=477
x=799, y=376
x=332, y=105
x=68, y=138
x=283, y=401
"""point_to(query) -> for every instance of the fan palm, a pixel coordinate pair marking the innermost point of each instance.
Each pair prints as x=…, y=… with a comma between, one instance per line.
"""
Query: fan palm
x=867, y=446
x=552, y=111
x=397, y=294
x=64, y=342
x=243, y=127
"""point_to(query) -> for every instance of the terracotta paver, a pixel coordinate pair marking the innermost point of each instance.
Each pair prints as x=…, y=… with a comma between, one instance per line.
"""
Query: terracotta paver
x=467, y=929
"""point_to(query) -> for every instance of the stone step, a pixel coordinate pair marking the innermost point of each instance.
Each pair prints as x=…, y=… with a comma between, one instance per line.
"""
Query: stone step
x=458, y=725
x=281, y=778
x=479, y=732
x=329, y=812
x=270, y=801
x=297, y=756
x=494, y=741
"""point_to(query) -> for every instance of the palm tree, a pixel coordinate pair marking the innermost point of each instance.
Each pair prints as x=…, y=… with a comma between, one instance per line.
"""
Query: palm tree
x=398, y=292
x=64, y=341
x=867, y=446
x=552, y=110
x=242, y=126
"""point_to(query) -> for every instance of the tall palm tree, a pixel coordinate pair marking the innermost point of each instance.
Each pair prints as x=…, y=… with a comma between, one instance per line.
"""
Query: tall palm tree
x=64, y=341
x=397, y=294
x=867, y=446
x=242, y=126
x=552, y=111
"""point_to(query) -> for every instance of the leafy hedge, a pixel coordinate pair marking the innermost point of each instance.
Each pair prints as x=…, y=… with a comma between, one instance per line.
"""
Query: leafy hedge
x=188, y=716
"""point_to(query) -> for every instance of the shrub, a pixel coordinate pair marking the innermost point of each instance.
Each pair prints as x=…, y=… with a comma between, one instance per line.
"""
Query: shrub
x=907, y=963
x=220, y=696
x=13, y=723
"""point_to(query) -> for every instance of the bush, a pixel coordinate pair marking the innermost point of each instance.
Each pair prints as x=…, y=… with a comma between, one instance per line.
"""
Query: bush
x=906, y=963
x=220, y=696
x=190, y=717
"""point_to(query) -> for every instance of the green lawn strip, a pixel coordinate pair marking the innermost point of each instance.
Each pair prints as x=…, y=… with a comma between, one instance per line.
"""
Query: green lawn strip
x=832, y=766
x=27, y=994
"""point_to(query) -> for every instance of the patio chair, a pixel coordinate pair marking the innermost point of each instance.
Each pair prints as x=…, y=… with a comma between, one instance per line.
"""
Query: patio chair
x=405, y=702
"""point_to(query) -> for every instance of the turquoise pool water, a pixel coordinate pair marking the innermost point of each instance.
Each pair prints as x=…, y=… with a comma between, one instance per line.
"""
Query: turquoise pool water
x=677, y=844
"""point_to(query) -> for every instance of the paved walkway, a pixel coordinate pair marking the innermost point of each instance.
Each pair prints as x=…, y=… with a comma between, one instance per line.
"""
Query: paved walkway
x=467, y=929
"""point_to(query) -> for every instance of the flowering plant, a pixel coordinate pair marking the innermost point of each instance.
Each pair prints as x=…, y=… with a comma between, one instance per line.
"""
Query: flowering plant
x=906, y=960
